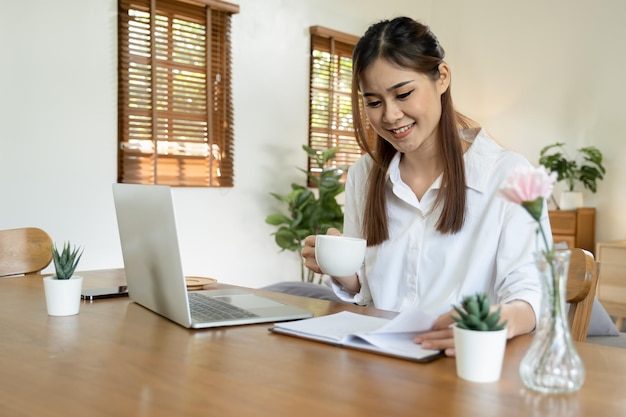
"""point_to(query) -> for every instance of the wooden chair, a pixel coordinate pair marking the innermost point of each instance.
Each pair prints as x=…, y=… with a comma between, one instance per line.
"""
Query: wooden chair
x=582, y=280
x=612, y=286
x=24, y=251
x=612, y=292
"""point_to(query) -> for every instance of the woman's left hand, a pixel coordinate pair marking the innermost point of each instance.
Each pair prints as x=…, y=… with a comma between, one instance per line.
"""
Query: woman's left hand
x=441, y=336
x=519, y=316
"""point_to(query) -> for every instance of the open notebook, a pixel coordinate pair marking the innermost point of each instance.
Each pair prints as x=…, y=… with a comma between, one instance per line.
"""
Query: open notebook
x=374, y=334
x=154, y=273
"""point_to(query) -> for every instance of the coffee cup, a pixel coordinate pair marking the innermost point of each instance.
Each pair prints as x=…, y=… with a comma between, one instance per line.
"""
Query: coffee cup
x=339, y=256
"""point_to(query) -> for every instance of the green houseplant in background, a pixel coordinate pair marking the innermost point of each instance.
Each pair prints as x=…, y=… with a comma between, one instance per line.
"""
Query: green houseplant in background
x=307, y=213
x=588, y=171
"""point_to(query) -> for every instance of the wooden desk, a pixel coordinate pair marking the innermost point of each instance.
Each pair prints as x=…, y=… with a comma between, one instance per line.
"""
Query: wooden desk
x=118, y=359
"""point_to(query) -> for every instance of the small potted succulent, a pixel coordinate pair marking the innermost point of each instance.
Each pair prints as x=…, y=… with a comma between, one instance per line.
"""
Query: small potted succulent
x=63, y=289
x=587, y=171
x=479, y=339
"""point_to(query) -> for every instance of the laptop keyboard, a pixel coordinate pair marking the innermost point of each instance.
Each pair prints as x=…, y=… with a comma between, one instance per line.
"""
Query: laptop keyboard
x=211, y=309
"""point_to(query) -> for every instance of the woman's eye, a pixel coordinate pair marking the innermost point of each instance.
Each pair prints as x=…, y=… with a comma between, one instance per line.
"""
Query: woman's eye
x=404, y=95
x=373, y=104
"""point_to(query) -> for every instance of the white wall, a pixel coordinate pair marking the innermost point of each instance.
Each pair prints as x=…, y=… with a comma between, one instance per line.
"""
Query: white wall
x=528, y=73
x=539, y=72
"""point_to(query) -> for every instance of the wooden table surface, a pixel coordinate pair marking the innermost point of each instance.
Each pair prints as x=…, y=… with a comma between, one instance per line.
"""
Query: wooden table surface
x=116, y=358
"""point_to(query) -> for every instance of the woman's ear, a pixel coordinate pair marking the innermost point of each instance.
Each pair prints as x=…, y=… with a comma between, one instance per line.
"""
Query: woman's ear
x=444, y=78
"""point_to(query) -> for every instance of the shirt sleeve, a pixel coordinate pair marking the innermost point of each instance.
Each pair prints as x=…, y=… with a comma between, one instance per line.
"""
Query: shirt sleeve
x=518, y=277
x=352, y=221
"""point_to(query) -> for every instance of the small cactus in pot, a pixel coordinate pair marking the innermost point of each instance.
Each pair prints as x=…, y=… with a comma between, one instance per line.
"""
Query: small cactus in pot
x=474, y=314
x=479, y=339
x=63, y=289
x=66, y=261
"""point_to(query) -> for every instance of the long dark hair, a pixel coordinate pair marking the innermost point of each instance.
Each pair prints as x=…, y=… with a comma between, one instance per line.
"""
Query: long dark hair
x=408, y=44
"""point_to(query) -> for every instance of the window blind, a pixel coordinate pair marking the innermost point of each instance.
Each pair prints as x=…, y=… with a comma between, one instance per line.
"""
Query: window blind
x=330, y=116
x=175, y=106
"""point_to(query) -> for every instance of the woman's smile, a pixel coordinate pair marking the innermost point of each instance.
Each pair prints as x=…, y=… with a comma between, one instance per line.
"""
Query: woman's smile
x=403, y=131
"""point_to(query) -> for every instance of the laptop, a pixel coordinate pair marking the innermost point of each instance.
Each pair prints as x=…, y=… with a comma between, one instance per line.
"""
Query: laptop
x=154, y=272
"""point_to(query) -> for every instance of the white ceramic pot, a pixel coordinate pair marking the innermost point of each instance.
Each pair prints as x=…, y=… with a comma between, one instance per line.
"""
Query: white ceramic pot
x=479, y=355
x=63, y=295
x=570, y=200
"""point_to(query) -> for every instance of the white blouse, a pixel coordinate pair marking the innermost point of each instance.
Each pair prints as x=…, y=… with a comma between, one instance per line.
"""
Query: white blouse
x=420, y=267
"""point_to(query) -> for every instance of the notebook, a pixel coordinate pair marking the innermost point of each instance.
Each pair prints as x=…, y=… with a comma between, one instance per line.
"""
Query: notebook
x=373, y=334
x=154, y=274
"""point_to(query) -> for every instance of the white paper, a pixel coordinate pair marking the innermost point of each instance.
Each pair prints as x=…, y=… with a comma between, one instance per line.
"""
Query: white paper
x=393, y=337
x=335, y=327
x=398, y=334
x=411, y=320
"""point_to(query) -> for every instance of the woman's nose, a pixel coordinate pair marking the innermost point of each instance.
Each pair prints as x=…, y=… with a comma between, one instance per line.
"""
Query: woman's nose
x=392, y=113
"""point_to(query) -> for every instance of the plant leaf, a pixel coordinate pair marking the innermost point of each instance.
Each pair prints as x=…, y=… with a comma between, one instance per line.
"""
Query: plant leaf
x=277, y=219
x=65, y=263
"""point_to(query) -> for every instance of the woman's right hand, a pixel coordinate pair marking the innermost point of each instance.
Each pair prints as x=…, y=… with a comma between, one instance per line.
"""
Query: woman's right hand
x=308, y=251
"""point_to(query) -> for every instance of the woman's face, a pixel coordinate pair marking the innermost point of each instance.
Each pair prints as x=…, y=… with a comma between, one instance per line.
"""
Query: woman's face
x=402, y=105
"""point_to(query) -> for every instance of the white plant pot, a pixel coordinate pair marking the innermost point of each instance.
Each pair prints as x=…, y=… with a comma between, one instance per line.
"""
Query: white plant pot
x=479, y=355
x=570, y=200
x=63, y=295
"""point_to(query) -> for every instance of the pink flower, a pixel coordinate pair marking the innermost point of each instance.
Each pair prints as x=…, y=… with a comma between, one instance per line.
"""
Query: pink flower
x=527, y=184
x=529, y=187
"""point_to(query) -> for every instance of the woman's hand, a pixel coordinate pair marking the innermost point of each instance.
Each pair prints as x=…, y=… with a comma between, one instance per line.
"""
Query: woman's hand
x=350, y=284
x=518, y=314
x=441, y=336
x=308, y=251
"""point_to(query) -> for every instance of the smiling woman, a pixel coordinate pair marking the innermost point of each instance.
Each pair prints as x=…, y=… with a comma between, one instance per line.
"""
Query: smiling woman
x=425, y=194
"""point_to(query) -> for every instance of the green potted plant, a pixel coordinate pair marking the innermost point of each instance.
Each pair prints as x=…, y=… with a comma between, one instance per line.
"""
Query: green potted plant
x=586, y=167
x=63, y=289
x=307, y=213
x=479, y=339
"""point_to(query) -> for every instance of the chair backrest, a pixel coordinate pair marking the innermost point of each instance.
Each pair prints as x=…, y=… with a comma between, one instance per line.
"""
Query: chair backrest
x=612, y=284
x=24, y=251
x=582, y=280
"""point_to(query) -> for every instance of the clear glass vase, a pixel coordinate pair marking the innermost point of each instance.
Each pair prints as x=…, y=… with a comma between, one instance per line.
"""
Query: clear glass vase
x=552, y=364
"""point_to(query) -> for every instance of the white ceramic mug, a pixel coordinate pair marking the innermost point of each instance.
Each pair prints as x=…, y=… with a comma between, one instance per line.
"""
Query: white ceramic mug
x=339, y=256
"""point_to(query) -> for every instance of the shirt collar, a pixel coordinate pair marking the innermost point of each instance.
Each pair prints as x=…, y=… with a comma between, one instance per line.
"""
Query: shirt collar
x=479, y=158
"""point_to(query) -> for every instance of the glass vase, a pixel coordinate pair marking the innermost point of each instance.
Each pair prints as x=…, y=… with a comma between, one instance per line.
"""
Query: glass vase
x=552, y=364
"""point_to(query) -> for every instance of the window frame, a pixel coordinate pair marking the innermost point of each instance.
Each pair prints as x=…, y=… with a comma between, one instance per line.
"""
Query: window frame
x=175, y=112
x=337, y=113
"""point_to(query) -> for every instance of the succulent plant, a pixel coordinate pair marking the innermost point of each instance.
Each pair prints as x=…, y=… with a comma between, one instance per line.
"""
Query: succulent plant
x=474, y=314
x=65, y=263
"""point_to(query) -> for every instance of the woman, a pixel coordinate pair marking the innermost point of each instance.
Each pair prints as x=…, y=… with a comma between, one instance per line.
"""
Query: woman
x=425, y=196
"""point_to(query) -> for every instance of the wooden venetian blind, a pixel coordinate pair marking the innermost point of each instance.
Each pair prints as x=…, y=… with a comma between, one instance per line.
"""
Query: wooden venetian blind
x=174, y=100
x=330, y=116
